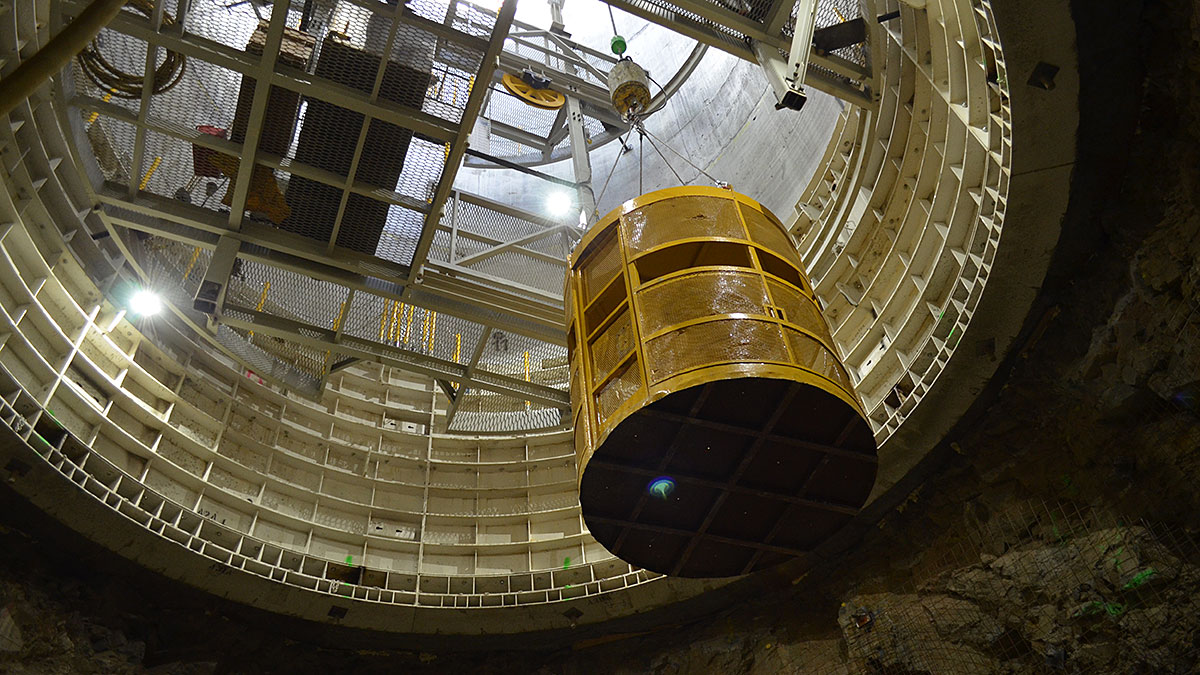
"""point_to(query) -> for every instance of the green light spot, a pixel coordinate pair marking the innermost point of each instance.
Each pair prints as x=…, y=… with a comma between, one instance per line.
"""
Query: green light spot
x=349, y=560
x=566, y=563
x=1141, y=578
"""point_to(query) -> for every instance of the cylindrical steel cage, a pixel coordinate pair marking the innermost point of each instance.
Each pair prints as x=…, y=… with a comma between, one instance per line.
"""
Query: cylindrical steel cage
x=716, y=430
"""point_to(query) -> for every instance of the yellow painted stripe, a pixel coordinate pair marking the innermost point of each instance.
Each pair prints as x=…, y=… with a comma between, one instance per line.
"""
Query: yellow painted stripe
x=262, y=299
x=432, y=332
x=107, y=96
x=383, y=318
x=191, y=263
x=150, y=172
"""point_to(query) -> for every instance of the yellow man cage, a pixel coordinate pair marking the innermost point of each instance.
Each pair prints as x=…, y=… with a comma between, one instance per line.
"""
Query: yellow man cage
x=716, y=430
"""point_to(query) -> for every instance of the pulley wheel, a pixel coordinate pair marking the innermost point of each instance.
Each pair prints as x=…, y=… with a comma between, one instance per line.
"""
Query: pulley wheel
x=546, y=99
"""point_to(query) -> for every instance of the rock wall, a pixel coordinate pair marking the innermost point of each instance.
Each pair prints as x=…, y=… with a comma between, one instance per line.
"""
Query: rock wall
x=1056, y=537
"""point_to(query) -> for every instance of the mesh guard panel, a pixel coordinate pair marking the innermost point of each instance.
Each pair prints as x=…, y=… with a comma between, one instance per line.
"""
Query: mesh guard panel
x=674, y=219
x=722, y=341
x=694, y=296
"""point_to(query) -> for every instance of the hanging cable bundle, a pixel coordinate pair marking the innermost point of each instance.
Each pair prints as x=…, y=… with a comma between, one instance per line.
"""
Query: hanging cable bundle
x=125, y=85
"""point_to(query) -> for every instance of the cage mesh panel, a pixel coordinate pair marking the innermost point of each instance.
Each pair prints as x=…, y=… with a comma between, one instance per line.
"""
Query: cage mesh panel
x=619, y=389
x=167, y=170
x=230, y=24
x=799, y=309
x=291, y=355
x=522, y=269
x=769, y=235
x=112, y=142
x=290, y=296
x=694, y=296
x=605, y=265
x=174, y=268
x=268, y=365
x=483, y=412
x=814, y=356
x=577, y=386
x=721, y=341
x=505, y=354
x=583, y=433
x=611, y=345
x=829, y=13
x=674, y=219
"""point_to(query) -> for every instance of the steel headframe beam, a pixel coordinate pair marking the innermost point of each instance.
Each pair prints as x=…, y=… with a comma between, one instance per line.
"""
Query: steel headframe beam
x=790, y=91
x=194, y=46
x=595, y=97
x=323, y=339
x=452, y=289
x=360, y=145
x=258, y=112
x=580, y=163
x=456, y=400
x=458, y=146
x=754, y=41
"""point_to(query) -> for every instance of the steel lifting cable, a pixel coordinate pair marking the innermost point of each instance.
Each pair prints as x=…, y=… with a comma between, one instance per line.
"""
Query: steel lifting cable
x=113, y=80
x=664, y=159
x=614, y=166
x=680, y=156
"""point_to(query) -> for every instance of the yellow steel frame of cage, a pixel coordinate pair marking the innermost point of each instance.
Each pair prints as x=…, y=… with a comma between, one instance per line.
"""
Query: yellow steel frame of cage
x=594, y=432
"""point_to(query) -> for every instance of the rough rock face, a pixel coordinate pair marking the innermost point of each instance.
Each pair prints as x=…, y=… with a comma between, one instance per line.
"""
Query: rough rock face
x=1107, y=601
x=1028, y=552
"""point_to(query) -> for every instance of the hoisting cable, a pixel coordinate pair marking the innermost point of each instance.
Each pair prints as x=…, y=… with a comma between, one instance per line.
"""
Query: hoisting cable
x=121, y=84
x=641, y=152
x=612, y=19
x=643, y=131
x=679, y=155
x=614, y=166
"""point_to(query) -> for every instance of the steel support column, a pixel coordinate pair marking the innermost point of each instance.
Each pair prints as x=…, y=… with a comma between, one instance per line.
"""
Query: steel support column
x=580, y=163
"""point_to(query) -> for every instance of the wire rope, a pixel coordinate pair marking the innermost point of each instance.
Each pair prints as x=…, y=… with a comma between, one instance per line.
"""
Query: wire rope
x=614, y=167
x=664, y=159
x=680, y=156
x=121, y=84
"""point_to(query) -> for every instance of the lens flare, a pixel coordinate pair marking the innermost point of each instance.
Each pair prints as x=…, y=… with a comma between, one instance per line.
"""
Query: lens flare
x=661, y=487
